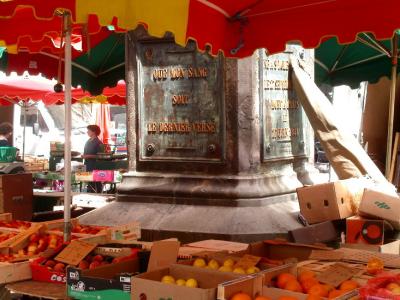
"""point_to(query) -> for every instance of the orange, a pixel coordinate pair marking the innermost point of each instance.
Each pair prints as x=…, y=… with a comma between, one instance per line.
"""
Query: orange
x=306, y=274
x=313, y=297
x=328, y=287
x=283, y=279
x=240, y=296
x=287, y=298
x=294, y=286
x=348, y=285
x=308, y=283
x=318, y=290
x=262, y=298
x=335, y=293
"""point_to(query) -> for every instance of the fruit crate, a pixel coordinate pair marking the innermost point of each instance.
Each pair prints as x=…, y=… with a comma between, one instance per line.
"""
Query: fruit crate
x=7, y=222
x=12, y=272
x=7, y=237
x=57, y=226
x=360, y=270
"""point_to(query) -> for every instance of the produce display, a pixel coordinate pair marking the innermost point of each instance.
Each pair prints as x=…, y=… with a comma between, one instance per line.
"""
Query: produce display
x=90, y=262
x=190, y=282
x=22, y=225
x=385, y=286
x=36, y=244
x=84, y=229
x=227, y=266
x=307, y=283
x=244, y=296
x=4, y=236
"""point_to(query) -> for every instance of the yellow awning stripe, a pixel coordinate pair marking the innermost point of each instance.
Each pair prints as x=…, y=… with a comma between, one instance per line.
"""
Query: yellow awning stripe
x=159, y=15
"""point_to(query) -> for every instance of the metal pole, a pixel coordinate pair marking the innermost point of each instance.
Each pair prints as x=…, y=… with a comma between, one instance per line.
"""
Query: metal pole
x=392, y=104
x=67, y=130
x=24, y=132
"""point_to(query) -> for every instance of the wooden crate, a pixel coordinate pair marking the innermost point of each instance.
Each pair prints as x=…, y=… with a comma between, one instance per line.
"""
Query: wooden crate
x=12, y=272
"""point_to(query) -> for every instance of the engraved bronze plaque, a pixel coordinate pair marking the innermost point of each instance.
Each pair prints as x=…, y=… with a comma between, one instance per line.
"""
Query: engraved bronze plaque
x=283, y=119
x=181, y=104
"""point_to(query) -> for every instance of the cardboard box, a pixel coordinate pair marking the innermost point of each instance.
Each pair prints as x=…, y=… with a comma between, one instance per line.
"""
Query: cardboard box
x=317, y=233
x=149, y=286
x=364, y=231
x=379, y=205
x=262, y=284
x=16, y=195
x=325, y=202
x=105, y=282
x=283, y=250
x=388, y=248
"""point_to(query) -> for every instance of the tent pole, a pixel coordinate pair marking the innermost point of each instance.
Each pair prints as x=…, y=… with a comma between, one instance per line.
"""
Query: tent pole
x=24, y=132
x=67, y=130
x=392, y=104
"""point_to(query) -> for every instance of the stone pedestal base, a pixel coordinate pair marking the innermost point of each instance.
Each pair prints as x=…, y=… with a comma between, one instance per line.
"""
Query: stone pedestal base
x=246, y=222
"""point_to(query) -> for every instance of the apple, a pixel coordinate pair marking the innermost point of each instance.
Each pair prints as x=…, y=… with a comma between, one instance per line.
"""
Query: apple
x=94, y=264
x=98, y=258
x=83, y=265
x=34, y=238
x=59, y=267
x=50, y=263
x=32, y=248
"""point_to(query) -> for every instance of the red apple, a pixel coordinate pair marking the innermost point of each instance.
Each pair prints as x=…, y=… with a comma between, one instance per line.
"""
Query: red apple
x=59, y=267
x=98, y=258
x=94, y=264
x=50, y=263
x=34, y=238
x=83, y=265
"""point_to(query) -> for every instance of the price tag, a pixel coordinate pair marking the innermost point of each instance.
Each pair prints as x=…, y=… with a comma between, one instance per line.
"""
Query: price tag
x=75, y=252
x=247, y=261
x=336, y=274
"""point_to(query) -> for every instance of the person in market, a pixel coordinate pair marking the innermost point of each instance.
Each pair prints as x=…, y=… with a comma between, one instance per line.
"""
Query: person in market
x=6, y=131
x=92, y=147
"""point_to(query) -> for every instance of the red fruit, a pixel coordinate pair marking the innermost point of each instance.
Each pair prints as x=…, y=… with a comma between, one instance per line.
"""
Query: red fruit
x=83, y=265
x=59, y=267
x=94, y=264
x=98, y=258
x=34, y=238
x=89, y=258
x=50, y=263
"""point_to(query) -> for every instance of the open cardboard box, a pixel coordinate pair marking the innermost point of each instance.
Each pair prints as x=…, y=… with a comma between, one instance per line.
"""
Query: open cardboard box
x=388, y=248
x=281, y=250
x=149, y=286
x=114, y=281
x=262, y=284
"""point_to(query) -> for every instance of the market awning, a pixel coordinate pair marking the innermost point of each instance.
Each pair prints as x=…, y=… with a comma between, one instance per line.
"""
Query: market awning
x=14, y=90
x=344, y=152
x=102, y=65
x=235, y=27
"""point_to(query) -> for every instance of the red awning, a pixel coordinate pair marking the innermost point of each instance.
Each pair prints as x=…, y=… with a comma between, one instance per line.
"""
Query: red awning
x=14, y=90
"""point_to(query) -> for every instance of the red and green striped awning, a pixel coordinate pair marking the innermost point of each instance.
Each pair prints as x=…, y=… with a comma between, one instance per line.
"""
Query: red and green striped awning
x=235, y=27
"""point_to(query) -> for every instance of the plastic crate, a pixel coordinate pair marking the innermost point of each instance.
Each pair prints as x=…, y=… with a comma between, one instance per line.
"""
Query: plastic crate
x=8, y=154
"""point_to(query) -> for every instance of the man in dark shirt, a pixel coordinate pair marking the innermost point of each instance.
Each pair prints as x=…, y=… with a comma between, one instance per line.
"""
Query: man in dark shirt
x=6, y=131
x=92, y=147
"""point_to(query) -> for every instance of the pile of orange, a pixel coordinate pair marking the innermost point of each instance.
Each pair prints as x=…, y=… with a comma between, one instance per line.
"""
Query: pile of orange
x=307, y=283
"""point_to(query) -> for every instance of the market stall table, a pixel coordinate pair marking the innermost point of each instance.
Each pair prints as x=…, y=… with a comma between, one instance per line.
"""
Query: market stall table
x=39, y=289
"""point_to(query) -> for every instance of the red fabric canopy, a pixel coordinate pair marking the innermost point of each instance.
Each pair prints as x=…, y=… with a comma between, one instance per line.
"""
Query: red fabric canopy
x=14, y=90
x=235, y=27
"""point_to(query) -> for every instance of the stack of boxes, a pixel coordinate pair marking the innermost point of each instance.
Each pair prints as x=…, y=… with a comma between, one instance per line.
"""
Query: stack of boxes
x=370, y=216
